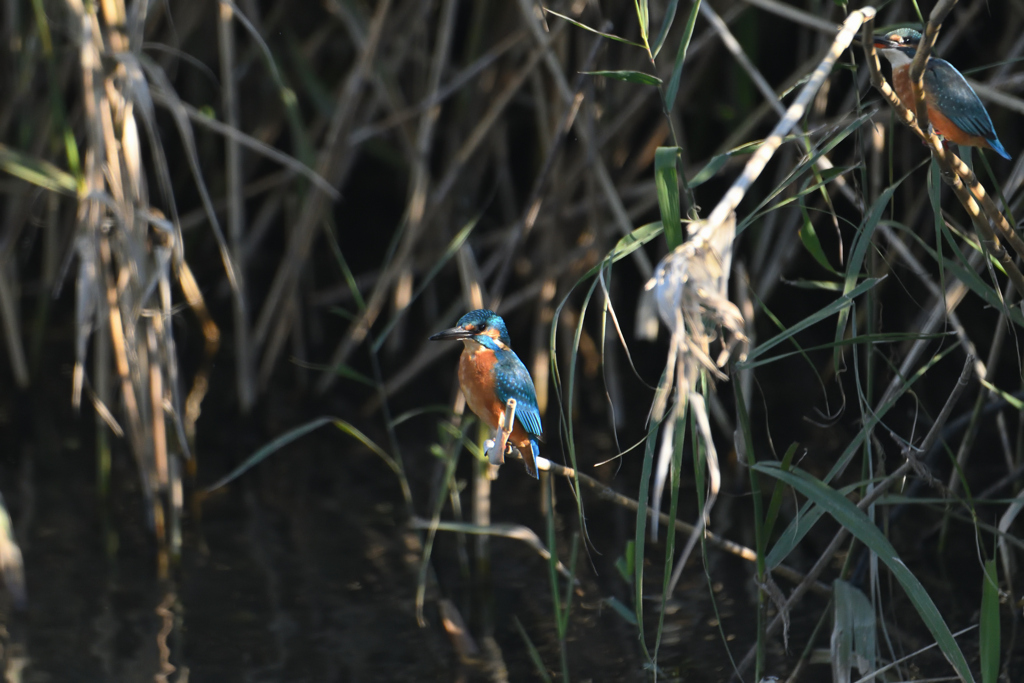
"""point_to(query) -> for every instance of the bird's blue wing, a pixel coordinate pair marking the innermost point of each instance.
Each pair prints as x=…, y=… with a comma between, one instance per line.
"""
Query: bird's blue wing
x=953, y=96
x=529, y=415
x=512, y=380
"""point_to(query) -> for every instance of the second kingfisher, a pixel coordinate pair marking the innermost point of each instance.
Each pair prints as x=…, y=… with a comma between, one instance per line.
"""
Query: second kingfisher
x=954, y=109
x=490, y=373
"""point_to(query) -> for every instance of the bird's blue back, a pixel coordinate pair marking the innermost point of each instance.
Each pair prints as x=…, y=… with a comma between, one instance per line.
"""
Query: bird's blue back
x=512, y=380
x=952, y=95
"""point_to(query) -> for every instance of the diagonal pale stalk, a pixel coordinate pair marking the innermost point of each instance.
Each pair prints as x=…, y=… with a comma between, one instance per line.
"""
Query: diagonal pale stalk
x=794, y=113
x=691, y=290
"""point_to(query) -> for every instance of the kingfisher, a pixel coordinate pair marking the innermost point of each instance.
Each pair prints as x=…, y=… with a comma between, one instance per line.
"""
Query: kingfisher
x=490, y=373
x=954, y=109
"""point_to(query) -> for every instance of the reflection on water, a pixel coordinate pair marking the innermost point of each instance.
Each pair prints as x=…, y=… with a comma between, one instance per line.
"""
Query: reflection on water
x=279, y=582
x=304, y=571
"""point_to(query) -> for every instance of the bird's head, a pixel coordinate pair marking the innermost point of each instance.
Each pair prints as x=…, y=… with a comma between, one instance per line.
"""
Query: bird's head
x=899, y=45
x=481, y=326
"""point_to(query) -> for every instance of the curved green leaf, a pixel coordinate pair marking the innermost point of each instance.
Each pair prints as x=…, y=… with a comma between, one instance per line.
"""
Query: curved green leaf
x=858, y=524
x=638, y=77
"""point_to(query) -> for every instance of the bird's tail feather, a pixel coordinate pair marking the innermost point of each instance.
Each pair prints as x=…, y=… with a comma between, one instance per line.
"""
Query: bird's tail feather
x=530, y=459
x=998, y=148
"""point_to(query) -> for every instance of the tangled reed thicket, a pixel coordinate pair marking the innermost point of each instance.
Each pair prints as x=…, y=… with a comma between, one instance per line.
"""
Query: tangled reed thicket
x=281, y=188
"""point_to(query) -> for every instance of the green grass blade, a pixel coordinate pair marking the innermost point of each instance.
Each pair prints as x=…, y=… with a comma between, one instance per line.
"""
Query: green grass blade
x=450, y=251
x=643, y=16
x=641, y=529
x=809, y=238
x=609, y=36
x=853, y=632
x=677, y=68
x=841, y=304
x=670, y=16
x=857, y=523
x=532, y=650
x=638, y=77
x=37, y=171
x=775, y=504
x=269, y=449
x=710, y=169
x=670, y=528
x=622, y=610
x=667, y=181
x=858, y=253
x=810, y=513
x=626, y=246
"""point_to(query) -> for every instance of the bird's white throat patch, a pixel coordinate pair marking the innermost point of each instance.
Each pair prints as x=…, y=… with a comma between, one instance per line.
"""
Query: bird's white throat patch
x=896, y=57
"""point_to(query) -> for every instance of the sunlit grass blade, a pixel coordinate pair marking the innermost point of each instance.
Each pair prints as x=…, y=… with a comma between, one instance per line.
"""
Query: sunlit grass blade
x=270, y=448
x=667, y=181
x=293, y=435
x=643, y=15
x=711, y=168
x=609, y=36
x=38, y=172
x=626, y=246
x=858, y=524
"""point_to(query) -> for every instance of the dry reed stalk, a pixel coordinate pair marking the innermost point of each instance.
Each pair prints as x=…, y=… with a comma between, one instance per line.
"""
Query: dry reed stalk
x=128, y=254
x=244, y=381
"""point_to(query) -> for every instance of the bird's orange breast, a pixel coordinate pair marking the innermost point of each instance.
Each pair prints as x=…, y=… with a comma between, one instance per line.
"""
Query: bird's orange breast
x=901, y=83
x=949, y=130
x=476, y=377
x=942, y=125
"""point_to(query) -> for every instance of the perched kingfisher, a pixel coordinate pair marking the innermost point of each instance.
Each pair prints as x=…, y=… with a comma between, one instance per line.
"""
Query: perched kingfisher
x=954, y=109
x=490, y=373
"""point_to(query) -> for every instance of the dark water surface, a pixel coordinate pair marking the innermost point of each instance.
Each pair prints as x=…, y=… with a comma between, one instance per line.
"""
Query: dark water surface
x=303, y=570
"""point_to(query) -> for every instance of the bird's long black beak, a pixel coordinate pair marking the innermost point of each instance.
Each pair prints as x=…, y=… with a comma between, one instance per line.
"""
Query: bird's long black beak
x=883, y=43
x=453, y=334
